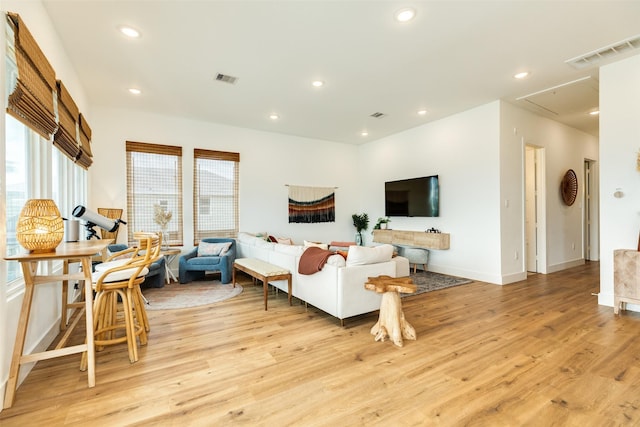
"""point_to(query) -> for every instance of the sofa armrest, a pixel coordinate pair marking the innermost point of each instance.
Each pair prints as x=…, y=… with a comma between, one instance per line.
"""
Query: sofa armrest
x=191, y=254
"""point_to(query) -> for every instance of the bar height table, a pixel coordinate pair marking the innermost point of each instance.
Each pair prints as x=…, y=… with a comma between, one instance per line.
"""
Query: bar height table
x=81, y=251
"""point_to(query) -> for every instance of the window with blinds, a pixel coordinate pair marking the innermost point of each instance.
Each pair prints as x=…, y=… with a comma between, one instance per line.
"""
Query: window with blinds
x=215, y=194
x=38, y=100
x=154, y=181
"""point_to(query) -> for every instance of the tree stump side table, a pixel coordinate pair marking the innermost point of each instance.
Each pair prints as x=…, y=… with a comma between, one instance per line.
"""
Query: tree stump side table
x=391, y=322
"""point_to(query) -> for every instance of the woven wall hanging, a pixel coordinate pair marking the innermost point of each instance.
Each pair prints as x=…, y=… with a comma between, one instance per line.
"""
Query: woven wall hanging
x=569, y=187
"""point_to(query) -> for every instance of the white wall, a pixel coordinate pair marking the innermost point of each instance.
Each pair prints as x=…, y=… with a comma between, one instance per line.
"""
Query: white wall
x=268, y=162
x=565, y=148
x=463, y=150
x=619, y=147
x=45, y=315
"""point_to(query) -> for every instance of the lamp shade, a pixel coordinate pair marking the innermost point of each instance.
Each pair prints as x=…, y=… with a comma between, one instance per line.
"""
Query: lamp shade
x=40, y=227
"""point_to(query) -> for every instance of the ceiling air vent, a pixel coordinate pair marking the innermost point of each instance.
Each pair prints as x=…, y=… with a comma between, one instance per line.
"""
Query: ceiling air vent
x=227, y=79
x=378, y=115
x=592, y=58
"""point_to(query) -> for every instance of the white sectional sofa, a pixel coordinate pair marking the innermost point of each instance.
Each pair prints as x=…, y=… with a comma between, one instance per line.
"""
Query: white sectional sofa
x=337, y=289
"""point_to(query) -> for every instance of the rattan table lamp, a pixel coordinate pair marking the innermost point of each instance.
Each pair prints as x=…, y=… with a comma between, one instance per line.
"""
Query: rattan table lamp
x=40, y=227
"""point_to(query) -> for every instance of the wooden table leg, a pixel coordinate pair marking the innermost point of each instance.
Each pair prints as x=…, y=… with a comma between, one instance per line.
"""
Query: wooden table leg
x=28, y=270
x=233, y=275
x=265, y=291
x=65, y=296
x=88, y=299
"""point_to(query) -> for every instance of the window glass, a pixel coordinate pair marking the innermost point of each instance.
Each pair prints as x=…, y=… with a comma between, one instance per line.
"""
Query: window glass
x=35, y=170
x=17, y=182
x=215, y=195
x=154, y=179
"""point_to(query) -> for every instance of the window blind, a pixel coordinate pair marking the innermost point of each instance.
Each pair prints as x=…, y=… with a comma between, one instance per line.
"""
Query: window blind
x=154, y=177
x=215, y=194
x=38, y=100
x=86, y=155
x=31, y=99
x=65, y=137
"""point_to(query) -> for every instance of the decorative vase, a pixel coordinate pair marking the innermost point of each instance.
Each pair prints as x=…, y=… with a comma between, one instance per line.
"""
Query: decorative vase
x=383, y=226
x=359, y=239
x=164, y=237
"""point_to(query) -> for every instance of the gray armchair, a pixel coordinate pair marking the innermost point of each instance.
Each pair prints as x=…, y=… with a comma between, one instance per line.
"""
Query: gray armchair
x=192, y=266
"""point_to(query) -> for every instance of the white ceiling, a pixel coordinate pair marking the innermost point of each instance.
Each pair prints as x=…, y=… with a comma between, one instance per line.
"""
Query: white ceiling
x=451, y=57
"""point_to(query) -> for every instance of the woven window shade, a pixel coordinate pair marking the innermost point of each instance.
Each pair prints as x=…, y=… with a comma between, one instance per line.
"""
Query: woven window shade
x=86, y=156
x=32, y=100
x=66, y=138
x=154, y=177
x=215, y=194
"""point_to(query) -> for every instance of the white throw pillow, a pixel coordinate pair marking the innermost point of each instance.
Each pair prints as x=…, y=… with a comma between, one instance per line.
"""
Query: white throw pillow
x=213, y=249
x=363, y=255
x=284, y=240
x=336, y=261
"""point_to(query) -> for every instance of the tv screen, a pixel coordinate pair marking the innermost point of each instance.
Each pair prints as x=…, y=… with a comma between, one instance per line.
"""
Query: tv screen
x=412, y=197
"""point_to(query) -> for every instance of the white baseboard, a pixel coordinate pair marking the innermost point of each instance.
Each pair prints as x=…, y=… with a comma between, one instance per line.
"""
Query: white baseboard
x=564, y=265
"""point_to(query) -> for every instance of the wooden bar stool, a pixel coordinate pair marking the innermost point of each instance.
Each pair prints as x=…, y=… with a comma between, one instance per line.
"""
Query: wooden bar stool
x=116, y=283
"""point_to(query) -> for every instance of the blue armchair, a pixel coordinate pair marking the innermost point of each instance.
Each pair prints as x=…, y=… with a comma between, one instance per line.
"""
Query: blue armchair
x=192, y=266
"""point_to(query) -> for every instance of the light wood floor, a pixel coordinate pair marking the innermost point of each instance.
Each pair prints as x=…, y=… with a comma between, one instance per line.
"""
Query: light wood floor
x=540, y=353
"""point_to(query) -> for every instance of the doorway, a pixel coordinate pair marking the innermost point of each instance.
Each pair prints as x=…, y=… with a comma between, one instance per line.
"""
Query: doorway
x=589, y=220
x=535, y=220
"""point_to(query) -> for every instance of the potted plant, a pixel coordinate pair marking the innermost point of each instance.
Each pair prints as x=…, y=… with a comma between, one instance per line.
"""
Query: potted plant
x=361, y=223
x=382, y=223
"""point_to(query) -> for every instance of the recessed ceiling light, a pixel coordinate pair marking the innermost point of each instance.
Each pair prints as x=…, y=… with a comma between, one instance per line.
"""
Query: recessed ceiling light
x=595, y=113
x=521, y=75
x=135, y=91
x=317, y=83
x=274, y=116
x=129, y=31
x=364, y=133
x=422, y=112
x=404, y=15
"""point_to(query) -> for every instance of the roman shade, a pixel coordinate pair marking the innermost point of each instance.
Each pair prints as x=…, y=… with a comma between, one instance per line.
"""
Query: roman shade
x=33, y=85
x=66, y=138
x=86, y=156
x=38, y=100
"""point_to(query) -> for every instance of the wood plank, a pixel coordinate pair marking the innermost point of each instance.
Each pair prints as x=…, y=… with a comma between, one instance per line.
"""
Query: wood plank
x=537, y=352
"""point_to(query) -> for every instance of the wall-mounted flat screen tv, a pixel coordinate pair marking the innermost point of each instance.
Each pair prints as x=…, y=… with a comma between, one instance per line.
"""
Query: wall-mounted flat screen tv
x=412, y=197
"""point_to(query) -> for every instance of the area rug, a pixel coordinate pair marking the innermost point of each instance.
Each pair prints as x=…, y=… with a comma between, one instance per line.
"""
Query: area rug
x=194, y=294
x=428, y=281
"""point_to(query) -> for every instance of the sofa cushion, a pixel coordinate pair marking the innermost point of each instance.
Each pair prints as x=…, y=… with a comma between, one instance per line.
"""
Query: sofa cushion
x=363, y=255
x=205, y=260
x=213, y=249
x=294, y=250
x=118, y=276
x=316, y=244
x=104, y=266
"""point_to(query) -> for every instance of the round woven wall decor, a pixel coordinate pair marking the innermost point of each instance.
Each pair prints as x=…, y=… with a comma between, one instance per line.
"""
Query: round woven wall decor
x=569, y=187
